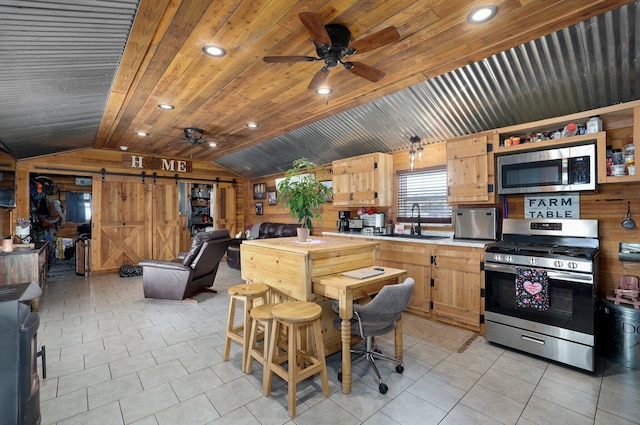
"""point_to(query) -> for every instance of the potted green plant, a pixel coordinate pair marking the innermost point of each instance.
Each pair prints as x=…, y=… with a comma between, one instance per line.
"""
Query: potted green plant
x=303, y=195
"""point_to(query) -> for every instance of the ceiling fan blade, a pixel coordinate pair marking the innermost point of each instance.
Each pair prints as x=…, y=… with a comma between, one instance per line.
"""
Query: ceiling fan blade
x=273, y=59
x=377, y=39
x=316, y=28
x=365, y=71
x=320, y=79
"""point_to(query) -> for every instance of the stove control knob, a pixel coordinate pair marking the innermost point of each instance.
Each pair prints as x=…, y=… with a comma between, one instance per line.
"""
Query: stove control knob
x=572, y=265
x=533, y=261
x=558, y=264
x=508, y=258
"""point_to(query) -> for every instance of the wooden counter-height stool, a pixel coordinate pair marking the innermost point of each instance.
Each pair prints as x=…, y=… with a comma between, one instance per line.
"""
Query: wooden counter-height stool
x=261, y=321
x=294, y=318
x=247, y=293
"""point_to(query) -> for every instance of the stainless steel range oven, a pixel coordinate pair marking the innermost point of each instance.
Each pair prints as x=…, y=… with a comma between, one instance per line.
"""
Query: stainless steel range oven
x=540, y=289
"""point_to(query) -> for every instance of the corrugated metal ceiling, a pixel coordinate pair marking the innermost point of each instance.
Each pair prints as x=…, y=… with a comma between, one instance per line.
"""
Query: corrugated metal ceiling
x=586, y=66
x=64, y=54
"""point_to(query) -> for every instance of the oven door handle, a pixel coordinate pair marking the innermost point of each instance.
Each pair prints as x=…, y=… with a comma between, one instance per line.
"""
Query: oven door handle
x=552, y=274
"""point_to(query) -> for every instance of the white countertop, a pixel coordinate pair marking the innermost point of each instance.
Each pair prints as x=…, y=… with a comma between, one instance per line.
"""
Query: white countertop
x=446, y=240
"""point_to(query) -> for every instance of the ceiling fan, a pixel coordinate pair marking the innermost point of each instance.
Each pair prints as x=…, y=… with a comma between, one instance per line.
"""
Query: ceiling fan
x=333, y=43
x=194, y=135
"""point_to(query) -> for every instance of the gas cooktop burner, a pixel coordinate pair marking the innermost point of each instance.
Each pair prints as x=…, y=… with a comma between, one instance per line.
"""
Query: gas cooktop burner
x=541, y=249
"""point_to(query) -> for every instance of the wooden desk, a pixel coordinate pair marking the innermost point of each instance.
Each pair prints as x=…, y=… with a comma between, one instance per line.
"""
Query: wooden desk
x=346, y=290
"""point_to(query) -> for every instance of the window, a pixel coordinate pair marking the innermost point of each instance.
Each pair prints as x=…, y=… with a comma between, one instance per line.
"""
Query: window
x=428, y=189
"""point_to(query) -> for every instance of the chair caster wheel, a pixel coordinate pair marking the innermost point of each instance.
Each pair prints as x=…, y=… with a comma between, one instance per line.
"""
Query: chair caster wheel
x=383, y=388
x=399, y=368
x=339, y=376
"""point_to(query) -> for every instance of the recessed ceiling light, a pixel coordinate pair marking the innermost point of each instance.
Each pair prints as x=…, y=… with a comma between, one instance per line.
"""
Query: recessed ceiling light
x=166, y=106
x=124, y=148
x=215, y=51
x=213, y=144
x=141, y=133
x=482, y=14
x=323, y=90
x=252, y=125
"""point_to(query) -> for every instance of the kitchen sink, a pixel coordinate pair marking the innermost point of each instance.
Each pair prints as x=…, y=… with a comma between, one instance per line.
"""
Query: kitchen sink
x=424, y=237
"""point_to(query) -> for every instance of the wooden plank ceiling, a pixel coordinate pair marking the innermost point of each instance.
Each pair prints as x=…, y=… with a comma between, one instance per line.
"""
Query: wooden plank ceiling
x=163, y=63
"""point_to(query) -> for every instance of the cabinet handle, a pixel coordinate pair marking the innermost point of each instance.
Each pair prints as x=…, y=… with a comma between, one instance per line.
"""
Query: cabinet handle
x=532, y=339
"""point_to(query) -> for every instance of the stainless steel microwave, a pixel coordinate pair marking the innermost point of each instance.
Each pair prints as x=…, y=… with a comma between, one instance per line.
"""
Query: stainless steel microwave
x=566, y=169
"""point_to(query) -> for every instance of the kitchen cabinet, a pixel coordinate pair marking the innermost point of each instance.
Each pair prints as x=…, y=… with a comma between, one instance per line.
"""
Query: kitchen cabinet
x=620, y=123
x=470, y=169
x=415, y=258
x=448, y=277
x=201, y=204
x=26, y=264
x=457, y=284
x=364, y=180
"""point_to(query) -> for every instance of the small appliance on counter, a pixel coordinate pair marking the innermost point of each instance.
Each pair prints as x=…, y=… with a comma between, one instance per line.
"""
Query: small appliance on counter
x=477, y=223
x=343, y=221
x=355, y=225
x=374, y=221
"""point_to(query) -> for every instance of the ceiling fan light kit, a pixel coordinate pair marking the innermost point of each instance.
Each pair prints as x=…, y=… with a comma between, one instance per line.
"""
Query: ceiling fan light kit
x=333, y=43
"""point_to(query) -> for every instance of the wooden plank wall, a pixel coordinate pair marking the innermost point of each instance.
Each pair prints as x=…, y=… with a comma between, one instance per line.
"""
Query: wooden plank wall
x=91, y=162
x=434, y=156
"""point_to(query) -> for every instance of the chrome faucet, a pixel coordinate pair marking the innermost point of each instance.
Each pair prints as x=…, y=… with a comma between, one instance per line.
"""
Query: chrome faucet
x=415, y=230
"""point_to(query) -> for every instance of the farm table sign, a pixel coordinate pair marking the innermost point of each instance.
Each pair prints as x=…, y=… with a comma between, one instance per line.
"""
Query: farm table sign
x=566, y=206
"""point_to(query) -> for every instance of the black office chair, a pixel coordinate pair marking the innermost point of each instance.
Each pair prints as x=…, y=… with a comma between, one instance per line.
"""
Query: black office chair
x=377, y=318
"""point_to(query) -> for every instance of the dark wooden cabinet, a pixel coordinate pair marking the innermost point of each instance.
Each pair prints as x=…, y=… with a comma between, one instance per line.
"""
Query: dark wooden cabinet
x=26, y=265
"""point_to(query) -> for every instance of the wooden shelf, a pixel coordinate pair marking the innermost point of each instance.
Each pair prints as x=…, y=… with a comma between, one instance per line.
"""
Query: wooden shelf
x=598, y=138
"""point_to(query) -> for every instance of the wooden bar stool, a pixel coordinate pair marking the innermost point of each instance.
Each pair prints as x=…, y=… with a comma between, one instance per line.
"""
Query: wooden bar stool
x=260, y=316
x=247, y=293
x=294, y=318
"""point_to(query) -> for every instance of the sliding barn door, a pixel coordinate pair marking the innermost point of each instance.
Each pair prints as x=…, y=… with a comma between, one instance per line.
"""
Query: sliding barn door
x=121, y=229
x=165, y=226
x=224, y=207
x=135, y=221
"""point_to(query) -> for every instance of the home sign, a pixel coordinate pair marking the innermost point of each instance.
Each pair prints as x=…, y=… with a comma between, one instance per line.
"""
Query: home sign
x=155, y=163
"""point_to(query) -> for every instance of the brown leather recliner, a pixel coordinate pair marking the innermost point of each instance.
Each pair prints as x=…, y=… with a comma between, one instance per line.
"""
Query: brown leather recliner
x=190, y=273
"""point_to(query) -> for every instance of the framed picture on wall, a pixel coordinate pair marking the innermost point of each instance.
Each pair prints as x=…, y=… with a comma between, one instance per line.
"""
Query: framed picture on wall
x=259, y=190
x=258, y=208
x=272, y=198
x=329, y=184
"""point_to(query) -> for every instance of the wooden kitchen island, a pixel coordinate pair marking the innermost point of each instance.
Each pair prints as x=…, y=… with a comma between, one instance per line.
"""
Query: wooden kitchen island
x=291, y=267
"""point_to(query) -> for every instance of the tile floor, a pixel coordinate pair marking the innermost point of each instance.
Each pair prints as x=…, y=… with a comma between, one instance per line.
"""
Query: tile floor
x=115, y=358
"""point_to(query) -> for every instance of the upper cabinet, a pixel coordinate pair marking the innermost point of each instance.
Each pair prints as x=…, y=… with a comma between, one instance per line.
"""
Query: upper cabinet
x=620, y=127
x=470, y=169
x=364, y=180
